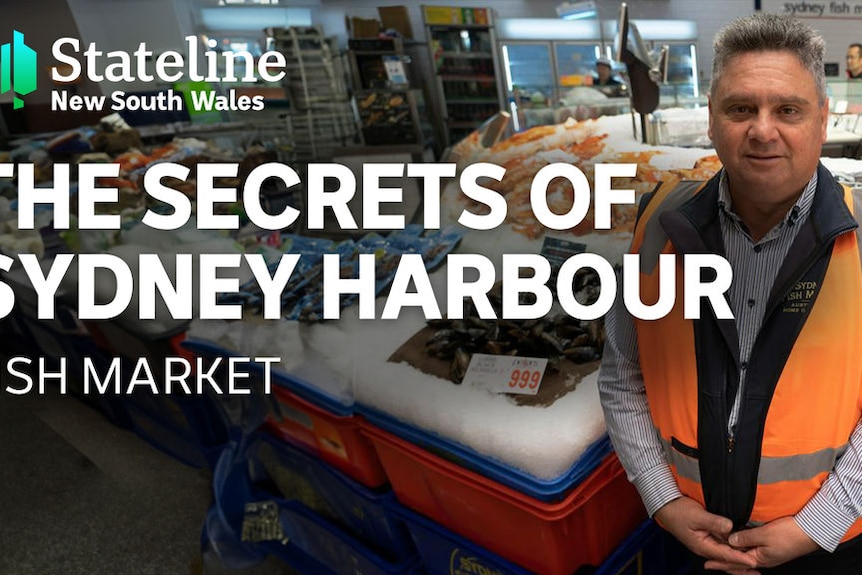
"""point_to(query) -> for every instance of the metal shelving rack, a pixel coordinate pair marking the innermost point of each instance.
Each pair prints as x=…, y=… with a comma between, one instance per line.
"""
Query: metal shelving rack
x=462, y=47
x=391, y=108
x=322, y=116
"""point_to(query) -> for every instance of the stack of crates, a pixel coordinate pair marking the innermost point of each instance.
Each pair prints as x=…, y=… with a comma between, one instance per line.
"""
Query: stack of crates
x=329, y=516
x=191, y=428
x=64, y=338
x=359, y=491
x=322, y=115
x=548, y=533
x=649, y=551
x=311, y=458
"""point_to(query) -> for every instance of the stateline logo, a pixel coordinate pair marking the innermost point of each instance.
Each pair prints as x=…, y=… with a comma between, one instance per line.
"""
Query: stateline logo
x=17, y=69
x=169, y=68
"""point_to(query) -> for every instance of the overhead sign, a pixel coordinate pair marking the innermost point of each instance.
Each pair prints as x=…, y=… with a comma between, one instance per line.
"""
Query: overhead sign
x=818, y=10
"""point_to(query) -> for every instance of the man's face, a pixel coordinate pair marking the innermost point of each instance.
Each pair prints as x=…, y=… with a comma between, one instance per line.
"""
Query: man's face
x=604, y=72
x=767, y=125
x=854, y=60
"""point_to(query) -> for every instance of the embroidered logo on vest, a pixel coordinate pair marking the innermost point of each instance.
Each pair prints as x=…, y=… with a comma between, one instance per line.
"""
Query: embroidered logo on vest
x=800, y=297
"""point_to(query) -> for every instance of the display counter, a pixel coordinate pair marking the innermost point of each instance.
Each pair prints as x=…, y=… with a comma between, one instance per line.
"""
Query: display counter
x=381, y=393
x=384, y=364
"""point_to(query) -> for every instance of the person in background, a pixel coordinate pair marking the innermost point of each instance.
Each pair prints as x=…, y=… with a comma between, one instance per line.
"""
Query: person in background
x=741, y=428
x=604, y=80
x=854, y=62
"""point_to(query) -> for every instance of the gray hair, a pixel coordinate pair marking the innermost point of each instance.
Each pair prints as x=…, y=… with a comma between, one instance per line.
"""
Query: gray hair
x=764, y=31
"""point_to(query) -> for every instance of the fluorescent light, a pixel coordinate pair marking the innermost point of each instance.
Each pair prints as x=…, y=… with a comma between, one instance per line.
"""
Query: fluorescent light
x=514, y=107
x=253, y=18
x=667, y=29
x=577, y=10
x=694, y=79
x=548, y=29
x=580, y=16
x=506, y=68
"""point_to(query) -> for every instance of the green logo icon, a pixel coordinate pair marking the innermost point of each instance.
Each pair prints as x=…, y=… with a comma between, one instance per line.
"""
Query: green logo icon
x=18, y=75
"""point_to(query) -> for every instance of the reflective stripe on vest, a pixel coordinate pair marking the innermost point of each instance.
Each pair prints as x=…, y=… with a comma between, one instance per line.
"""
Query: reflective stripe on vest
x=799, y=446
x=800, y=467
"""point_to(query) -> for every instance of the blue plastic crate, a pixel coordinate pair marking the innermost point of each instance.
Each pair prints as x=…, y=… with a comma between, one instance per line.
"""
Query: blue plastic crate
x=221, y=536
x=444, y=552
x=664, y=555
x=362, y=511
x=627, y=559
x=308, y=538
x=295, y=384
x=223, y=541
x=648, y=551
x=320, y=425
x=66, y=337
x=518, y=479
x=312, y=394
x=196, y=420
x=331, y=546
x=181, y=447
x=244, y=412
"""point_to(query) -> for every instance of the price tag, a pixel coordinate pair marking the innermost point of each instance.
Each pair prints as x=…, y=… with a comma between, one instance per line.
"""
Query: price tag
x=506, y=373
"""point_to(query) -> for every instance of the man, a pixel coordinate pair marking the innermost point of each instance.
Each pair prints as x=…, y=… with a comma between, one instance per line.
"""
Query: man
x=604, y=80
x=854, y=62
x=742, y=435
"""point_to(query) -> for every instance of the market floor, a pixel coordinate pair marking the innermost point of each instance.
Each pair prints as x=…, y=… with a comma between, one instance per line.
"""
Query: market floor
x=81, y=496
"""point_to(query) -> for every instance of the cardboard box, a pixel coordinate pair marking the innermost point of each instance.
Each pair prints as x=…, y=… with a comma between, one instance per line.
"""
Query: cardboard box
x=396, y=17
x=363, y=27
x=450, y=15
x=444, y=15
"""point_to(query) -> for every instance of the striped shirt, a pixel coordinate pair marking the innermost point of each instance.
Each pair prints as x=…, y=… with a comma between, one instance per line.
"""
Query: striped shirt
x=755, y=267
x=828, y=515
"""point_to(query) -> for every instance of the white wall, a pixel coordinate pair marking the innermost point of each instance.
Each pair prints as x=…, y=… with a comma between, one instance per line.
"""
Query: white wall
x=840, y=24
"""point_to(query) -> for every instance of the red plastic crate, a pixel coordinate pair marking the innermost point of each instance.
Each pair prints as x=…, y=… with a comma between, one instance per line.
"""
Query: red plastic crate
x=545, y=538
x=335, y=439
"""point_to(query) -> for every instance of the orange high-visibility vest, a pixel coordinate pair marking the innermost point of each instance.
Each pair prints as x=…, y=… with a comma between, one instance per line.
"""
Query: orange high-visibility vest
x=803, y=394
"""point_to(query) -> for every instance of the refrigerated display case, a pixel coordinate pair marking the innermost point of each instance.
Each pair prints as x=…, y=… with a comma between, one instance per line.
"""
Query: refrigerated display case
x=575, y=62
x=548, y=69
x=844, y=130
x=529, y=74
x=682, y=64
x=845, y=96
x=462, y=47
x=532, y=49
x=683, y=88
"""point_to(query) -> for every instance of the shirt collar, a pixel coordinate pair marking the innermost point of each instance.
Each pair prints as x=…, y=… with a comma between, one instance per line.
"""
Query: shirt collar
x=798, y=212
